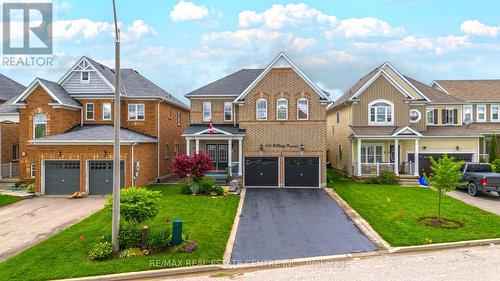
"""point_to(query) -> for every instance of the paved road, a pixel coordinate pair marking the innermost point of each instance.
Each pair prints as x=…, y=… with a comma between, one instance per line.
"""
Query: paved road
x=475, y=263
x=487, y=201
x=29, y=221
x=280, y=224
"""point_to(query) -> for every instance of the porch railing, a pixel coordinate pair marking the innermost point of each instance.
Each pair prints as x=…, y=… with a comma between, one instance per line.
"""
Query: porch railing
x=9, y=170
x=409, y=167
x=484, y=156
x=373, y=169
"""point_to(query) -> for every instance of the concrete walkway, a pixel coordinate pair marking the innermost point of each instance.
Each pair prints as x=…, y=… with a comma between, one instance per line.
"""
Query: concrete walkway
x=29, y=221
x=487, y=201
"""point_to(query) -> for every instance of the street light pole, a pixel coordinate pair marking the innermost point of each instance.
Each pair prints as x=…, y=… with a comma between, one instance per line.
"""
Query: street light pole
x=115, y=229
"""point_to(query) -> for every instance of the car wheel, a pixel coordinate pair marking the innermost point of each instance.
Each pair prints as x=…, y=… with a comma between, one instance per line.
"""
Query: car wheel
x=472, y=189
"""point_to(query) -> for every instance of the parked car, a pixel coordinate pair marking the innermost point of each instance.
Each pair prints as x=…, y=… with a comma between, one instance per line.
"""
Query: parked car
x=480, y=178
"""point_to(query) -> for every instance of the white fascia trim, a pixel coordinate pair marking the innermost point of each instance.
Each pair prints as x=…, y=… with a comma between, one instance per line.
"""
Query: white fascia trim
x=407, y=128
x=406, y=80
x=11, y=117
x=270, y=66
x=83, y=142
x=386, y=76
x=67, y=106
x=215, y=129
x=30, y=89
x=211, y=97
x=66, y=75
x=442, y=89
x=471, y=136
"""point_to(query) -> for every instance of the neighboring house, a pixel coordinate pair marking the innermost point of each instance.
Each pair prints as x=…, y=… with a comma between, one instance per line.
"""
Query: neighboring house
x=9, y=127
x=66, y=130
x=386, y=120
x=269, y=125
x=481, y=106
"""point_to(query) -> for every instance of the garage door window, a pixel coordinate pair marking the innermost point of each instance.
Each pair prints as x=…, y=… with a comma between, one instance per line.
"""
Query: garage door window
x=39, y=125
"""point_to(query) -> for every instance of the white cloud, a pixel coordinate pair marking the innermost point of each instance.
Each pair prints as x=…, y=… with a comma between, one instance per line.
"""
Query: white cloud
x=364, y=27
x=71, y=29
x=412, y=43
x=62, y=7
x=137, y=30
x=475, y=27
x=300, y=44
x=188, y=11
x=280, y=16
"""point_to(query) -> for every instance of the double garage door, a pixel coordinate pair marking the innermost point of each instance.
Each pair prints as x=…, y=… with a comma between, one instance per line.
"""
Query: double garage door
x=298, y=171
x=424, y=159
x=63, y=177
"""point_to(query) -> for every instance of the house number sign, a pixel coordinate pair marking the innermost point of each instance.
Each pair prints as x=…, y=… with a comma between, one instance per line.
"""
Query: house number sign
x=282, y=145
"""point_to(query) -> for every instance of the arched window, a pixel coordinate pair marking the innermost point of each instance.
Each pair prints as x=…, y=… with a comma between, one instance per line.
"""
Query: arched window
x=261, y=111
x=302, y=109
x=39, y=126
x=282, y=109
x=381, y=112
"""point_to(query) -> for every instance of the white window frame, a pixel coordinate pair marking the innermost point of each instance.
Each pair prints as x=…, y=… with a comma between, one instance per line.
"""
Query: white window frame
x=497, y=106
x=39, y=123
x=135, y=117
x=104, y=111
x=179, y=118
x=85, y=81
x=307, y=109
x=451, y=116
x=209, y=111
x=464, y=110
x=32, y=171
x=87, y=111
x=477, y=112
x=391, y=106
x=431, y=110
x=374, y=145
x=230, y=104
x=257, y=109
x=418, y=113
x=277, y=109
x=176, y=150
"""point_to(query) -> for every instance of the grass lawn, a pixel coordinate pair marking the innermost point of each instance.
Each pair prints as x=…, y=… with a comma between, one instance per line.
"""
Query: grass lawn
x=393, y=212
x=207, y=220
x=7, y=199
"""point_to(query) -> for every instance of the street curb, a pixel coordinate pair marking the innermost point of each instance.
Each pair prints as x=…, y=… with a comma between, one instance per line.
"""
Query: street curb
x=359, y=221
x=232, y=236
x=442, y=246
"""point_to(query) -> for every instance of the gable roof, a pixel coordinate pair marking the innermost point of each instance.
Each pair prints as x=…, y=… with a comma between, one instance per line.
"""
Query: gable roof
x=435, y=95
x=471, y=90
x=227, y=129
x=231, y=85
x=56, y=91
x=281, y=60
x=9, y=88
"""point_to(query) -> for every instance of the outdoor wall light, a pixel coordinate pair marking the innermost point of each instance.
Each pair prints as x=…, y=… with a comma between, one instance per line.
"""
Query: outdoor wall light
x=458, y=148
x=424, y=147
x=60, y=153
x=302, y=148
x=261, y=147
x=105, y=153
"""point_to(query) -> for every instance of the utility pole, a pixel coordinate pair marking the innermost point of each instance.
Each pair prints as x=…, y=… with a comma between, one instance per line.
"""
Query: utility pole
x=115, y=229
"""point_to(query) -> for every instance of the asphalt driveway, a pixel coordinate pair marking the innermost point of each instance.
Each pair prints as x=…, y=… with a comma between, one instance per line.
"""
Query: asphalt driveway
x=277, y=224
x=29, y=221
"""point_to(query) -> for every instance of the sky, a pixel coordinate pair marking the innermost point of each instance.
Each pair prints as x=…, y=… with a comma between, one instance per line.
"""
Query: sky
x=183, y=45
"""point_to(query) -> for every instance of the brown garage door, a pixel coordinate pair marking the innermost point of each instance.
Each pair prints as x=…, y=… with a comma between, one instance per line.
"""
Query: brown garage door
x=425, y=159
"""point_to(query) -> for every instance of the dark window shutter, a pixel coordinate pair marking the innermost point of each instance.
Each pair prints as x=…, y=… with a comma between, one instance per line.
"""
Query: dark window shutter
x=444, y=115
x=455, y=116
x=435, y=116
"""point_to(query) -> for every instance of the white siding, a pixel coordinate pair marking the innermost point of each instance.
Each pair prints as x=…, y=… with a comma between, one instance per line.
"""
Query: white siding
x=73, y=85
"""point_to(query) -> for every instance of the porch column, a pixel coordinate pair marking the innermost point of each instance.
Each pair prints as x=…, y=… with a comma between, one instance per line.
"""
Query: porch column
x=188, y=146
x=240, y=156
x=230, y=154
x=416, y=169
x=359, y=158
x=396, y=157
x=197, y=146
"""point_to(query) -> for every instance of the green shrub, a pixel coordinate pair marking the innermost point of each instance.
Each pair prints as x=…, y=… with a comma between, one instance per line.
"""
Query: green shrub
x=185, y=189
x=206, y=184
x=130, y=234
x=194, y=187
x=388, y=178
x=482, y=159
x=132, y=252
x=372, y=181
x=496, y=165
x=100, y=251
x=29, y=187
x=137, y=204
x=215, y=190
x=159, y=239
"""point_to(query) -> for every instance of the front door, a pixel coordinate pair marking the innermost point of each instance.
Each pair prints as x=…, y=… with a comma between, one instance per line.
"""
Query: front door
x=219, y=155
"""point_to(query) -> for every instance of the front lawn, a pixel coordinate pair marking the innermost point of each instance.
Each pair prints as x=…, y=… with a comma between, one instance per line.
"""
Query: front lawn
x=207, y=220
x=7, y=199
x=393, y=212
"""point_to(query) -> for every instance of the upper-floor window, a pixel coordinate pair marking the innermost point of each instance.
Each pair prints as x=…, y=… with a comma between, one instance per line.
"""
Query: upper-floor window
x=85, y=77
x=282, y=109
x=467, y=113
x=381, y=112
x=106, y=111
x=430, y=116
x=302, y=109
x=495, y=113
x=228, y=111
x=179, y=118
x=261, y=109
x=450, y=116
x=207, y=111
x=39, y=125
x=89, y=111
x=136, y=112
x=481, y=113
x=338, y=117
x=414, y=115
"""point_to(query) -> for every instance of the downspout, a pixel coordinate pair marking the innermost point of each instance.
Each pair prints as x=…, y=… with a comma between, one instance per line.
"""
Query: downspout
x=1, y=125
x=81, y=117
x=234, y=114
x=132, y=165
x=158, y=143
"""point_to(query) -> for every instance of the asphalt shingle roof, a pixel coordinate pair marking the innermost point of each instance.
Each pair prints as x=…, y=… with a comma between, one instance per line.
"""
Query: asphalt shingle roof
x=7, y=107
x=196, y=128
x=9, y=88
x=98, y=133
x=472, y=90
x=232, y=85
x=60, y=92
x=434, y=95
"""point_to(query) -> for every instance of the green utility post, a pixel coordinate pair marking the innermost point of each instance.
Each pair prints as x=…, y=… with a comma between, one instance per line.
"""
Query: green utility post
x=176, y=232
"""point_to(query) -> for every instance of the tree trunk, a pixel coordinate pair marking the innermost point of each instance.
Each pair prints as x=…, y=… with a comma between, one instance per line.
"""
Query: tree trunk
x=439, y=206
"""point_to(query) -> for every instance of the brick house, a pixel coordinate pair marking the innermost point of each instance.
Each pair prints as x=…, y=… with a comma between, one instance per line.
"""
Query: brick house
x=66, y=130
x=9, y=127
x=269, y=126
